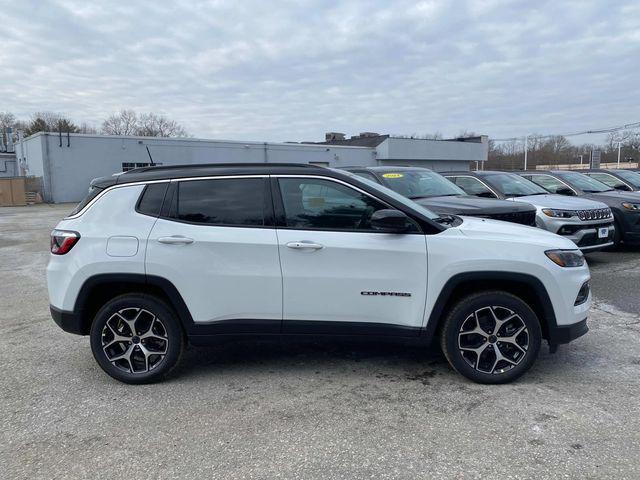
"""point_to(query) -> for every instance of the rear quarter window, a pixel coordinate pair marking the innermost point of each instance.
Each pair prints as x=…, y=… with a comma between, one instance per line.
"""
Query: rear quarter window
x=150, y=202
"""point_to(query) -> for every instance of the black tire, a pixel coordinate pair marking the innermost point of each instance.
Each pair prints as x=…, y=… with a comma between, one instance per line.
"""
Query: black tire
x=155, y=347
x=480, y=310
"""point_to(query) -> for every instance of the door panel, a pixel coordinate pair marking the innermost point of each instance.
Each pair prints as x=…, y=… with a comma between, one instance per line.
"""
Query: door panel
x=217, y=249
x=340, y=275
x=354, y=277
x=225, y=273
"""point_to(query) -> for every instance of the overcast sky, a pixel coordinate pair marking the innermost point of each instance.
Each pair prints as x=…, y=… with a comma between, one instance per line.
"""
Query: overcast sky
x=259, y=70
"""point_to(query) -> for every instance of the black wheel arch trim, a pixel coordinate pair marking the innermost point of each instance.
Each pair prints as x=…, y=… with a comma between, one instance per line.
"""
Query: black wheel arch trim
x=552, y=333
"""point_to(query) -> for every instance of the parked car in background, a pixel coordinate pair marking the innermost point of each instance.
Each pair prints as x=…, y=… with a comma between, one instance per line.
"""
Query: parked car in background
x=618, y=179
x=165, y=255
x=439, y=195
x=624, y=205
x=589, y=224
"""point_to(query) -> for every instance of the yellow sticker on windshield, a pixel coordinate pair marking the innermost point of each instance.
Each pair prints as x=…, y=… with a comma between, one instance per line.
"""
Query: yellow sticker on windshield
x=392, y=175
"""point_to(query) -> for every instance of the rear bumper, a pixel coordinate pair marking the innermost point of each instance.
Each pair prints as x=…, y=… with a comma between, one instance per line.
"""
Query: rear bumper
x=566, y=333
x=67, y=321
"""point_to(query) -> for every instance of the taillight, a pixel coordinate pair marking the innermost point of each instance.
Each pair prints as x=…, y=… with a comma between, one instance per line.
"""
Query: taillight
x=63, y=240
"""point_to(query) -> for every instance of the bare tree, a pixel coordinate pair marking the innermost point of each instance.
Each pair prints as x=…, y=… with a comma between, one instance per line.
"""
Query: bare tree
x=125, y=122
x=128, y=122
x=153, y=125
x=7, y=119
x=49, y=122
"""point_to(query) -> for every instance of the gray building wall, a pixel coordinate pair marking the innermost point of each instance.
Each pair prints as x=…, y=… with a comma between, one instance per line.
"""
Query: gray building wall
x=440, y=150
x=8, y=165
x=67, y=170
x=68, y=164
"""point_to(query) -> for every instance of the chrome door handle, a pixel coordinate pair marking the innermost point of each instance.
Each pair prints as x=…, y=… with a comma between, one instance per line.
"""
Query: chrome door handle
x=303, y=245
x=176, y=240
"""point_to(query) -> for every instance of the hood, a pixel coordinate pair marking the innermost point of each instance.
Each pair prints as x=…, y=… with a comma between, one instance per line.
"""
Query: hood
x=474, y=227
x=470, y=205
x=615, y=196
x=561, y=202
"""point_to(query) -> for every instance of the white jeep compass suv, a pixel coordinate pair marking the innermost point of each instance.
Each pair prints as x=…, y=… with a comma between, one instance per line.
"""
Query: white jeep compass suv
x=159, y=256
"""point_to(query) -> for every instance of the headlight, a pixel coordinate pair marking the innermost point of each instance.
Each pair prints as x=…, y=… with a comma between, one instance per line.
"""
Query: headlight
x=552, y=212
x=631, y=206
x=566, y=258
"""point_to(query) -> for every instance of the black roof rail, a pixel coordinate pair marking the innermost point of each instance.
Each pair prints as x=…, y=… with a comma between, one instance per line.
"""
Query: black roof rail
x=157, y=168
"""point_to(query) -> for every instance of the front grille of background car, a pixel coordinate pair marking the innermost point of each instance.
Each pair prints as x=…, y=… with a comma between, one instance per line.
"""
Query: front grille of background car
x=523, y=218
x=596, y=214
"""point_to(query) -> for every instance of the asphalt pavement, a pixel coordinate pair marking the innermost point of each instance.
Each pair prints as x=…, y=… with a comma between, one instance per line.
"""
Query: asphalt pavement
x=310, y=410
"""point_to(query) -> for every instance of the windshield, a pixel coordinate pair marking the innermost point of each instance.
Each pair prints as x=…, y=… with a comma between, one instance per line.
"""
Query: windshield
x=630, y=177
x=512, y=185
x=584, y=182
x=396, y=196
x=420, y=183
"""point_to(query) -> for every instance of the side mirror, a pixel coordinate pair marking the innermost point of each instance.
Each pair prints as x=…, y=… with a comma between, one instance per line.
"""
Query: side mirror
x=565, y=191
x=390, y=221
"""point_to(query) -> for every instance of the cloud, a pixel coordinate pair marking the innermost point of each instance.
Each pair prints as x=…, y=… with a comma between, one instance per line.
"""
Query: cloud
x=292, y=70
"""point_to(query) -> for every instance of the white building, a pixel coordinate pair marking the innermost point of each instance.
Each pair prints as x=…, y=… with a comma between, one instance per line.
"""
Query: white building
x=68, y=162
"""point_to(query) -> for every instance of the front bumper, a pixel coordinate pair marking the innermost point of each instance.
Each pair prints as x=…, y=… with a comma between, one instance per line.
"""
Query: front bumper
x=67, y=321
x=583, y=234
x=566, y=333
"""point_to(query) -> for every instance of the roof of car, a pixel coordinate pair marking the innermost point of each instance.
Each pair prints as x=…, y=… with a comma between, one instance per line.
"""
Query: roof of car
x=385, y=168
x=474, y=172
x=165, y=172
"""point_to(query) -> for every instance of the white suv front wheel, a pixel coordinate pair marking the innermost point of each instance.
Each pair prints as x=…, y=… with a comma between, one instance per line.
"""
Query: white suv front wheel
x=491, y=337
x=136, y=338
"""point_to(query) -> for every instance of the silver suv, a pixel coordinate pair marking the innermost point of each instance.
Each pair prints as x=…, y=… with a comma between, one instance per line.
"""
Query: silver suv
x=589, y=224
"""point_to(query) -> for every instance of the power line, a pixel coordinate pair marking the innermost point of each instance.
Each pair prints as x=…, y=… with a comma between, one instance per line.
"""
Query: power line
x=572, y=134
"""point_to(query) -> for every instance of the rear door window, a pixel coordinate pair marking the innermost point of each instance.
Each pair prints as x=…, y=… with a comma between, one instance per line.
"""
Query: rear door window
x=239, y=202
x=549, y=183
x=473, y=186
x=609, y=180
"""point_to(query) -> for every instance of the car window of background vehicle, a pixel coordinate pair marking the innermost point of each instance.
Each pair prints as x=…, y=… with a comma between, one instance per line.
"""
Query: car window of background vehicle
x=395, y=195
x=512, y=185
x=473, y=186
x=418, y=184
x=584, y=182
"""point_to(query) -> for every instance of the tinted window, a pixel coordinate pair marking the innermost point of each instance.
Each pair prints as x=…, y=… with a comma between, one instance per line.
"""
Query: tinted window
x=323, y=204
x=548, y=182
x=631, y=177
x=420, y=183
x=151, y=201
x=512, y=185
x=584, y=183
x=473, y=186
x=235, y=202
x=608, y=180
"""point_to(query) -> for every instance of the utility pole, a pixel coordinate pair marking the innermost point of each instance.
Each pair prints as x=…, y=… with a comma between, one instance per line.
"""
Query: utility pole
x=580, y=161
x=619, y=142
x=526, y=148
